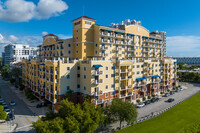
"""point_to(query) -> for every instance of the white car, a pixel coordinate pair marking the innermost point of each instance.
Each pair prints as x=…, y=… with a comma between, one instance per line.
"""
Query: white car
x=181, y=89
x=12, y=103
x=140, y=105
x=7, y=111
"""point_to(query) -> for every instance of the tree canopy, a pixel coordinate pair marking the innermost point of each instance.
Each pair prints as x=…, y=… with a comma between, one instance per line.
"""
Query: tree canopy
x=71, y=118
x=123, y=111
x=3, y=114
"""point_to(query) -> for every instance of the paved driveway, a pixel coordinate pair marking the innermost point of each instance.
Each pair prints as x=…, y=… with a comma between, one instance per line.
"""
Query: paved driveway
x=23, y=115
x=189, y=90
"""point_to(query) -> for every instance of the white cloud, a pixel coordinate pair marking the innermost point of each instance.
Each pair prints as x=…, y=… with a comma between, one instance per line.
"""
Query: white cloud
x=44, y=33
x=183, y=46
x=23, y=11
x=48, y=8
x=8, y=39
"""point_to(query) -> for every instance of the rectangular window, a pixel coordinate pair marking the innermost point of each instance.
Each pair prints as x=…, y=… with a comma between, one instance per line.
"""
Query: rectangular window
x=106, y=86
x=84, y=88
x=106, y=75
x=84, y=76
x=68, y=76
x=106, y=68
x=68, y=68
x=78, y=85
x=84, y=68
x=78, y=75
x=68, y=88
x=106, y=94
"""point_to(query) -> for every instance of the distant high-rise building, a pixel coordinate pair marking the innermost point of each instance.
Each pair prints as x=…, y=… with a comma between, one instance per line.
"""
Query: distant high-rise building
x=14, y=53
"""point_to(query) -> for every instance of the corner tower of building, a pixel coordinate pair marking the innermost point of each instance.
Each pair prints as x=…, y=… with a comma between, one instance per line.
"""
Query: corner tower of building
x=83, y=37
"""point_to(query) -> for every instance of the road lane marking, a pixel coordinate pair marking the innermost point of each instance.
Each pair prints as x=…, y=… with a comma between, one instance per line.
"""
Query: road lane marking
x=23, y=127
x=28, y=120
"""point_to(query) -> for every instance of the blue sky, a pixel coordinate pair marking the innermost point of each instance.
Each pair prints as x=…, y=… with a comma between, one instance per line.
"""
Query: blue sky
x=179, y=18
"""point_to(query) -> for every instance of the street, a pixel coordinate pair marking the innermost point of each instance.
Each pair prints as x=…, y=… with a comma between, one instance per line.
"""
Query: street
x=23, y=115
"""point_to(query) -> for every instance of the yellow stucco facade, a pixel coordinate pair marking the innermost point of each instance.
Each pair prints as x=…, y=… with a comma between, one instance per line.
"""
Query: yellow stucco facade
x=102, y=62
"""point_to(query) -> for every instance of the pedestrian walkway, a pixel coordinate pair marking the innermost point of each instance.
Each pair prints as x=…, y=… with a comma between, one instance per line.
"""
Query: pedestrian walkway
x=30, y=104
x=7, y=127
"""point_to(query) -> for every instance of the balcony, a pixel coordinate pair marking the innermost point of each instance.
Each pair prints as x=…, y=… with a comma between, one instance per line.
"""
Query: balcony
x=123, y=78
x=95, y=82
x=97, y=73
x=141, y=84
x=103, y=48
x=123, y=71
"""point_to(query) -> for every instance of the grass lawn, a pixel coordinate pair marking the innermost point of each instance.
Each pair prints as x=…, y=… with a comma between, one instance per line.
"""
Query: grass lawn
x=175, y=120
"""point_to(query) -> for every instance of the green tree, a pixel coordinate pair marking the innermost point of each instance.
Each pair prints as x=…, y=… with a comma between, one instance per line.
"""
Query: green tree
x=5, y=71
x=3, y=114
x=72, y=118
x=123, y=111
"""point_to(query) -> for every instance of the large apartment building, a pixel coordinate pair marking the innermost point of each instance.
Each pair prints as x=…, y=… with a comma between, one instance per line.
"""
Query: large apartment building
x=14, y=53
x=121, y=60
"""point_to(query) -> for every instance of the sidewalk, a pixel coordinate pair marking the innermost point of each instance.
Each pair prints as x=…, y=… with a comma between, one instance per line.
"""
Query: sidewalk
x=7, y=127
x=30, y=104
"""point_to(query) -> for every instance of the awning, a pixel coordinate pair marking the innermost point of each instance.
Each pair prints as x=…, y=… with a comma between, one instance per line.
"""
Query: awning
x=155, y=76
x=130, y=34
x=107, y=30
x=139, y=79
x=97, y=66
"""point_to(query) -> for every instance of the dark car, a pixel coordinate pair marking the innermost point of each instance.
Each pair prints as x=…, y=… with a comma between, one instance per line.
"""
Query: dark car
x=147, y=102
x=178, y=90
x=155, y=99
x=39, y=105
x=170, y=100
x=172, y=92
x=11, y=116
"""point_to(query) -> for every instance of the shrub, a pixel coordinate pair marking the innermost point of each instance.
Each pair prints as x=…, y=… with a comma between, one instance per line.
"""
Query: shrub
x=149, y=97
x=144, y=98
x=153, y=95
x=162, y=92
x=168, y=90
x=178, y=86
x=174, y=88
x=138, y=100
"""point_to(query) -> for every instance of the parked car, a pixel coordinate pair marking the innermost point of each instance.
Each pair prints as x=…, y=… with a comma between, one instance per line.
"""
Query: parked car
x=39, y=105
x=172, y=92
x=181, y=89
x=140, y=105
x=178, y=90
x=167, y=94
x=1, y=100
x=170, y=100
x=147, y=102
x=155, y=99
x=11, y=116
x=7, y=111
x=12, y=103
x=5, y=106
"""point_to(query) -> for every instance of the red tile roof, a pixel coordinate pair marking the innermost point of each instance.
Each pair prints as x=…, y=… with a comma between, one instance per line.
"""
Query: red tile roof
x=50, y=35
x=84, y=17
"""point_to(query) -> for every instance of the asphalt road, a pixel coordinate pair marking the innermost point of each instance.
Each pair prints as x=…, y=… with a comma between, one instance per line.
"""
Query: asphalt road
x=23, y=115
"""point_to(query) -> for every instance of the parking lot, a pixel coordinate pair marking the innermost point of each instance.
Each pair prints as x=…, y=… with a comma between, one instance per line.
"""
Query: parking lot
x=161, y=104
